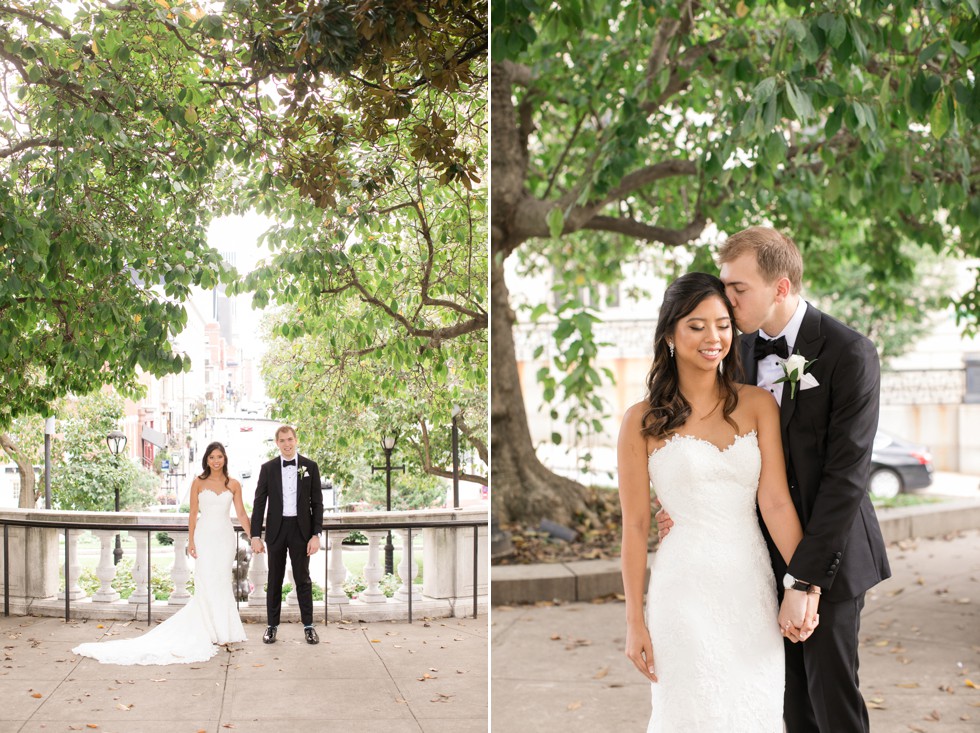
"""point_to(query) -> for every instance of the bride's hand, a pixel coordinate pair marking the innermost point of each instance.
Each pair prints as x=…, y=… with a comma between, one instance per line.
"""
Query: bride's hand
x=192, y=550
x=639, y=649
x=664, y=523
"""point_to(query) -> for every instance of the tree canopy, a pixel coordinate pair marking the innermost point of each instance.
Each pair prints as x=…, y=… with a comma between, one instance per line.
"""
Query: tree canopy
x=127, y=126
x=619, y=126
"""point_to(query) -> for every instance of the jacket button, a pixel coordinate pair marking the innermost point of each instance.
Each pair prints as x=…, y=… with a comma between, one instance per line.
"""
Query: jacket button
x=838, y=554
x=836, y=563
x=830, y=572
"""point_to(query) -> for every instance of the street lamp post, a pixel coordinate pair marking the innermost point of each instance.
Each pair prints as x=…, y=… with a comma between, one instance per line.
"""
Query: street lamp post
x=388, y=444
x=456, y=413
x=117, y=444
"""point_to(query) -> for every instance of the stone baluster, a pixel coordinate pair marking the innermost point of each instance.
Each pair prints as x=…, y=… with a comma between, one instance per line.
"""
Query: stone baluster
x=106, y=571
x=406, y=573
x=374, y=569
x=338, y=573
x=180, y=573
x=141, y=573
x=258, y=573
x=75, y=569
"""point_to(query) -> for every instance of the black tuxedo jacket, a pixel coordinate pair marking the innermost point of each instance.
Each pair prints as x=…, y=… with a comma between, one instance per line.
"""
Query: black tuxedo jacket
x=268, y=490
x=828, y=433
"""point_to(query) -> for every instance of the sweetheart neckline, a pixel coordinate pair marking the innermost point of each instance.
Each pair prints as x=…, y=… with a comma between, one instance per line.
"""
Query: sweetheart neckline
x=216, y=493
x=721, y=451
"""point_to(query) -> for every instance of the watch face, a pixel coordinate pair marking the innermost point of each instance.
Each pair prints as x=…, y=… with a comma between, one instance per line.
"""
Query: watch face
x=788, y=581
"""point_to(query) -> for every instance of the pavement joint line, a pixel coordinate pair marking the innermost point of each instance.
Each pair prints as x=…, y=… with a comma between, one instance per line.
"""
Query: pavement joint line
x=377, y=653
x=51, y=694
x=224, y=688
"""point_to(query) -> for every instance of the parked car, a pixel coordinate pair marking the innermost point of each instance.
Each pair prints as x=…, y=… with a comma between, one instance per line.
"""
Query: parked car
x=245, y=429
x=898, y=466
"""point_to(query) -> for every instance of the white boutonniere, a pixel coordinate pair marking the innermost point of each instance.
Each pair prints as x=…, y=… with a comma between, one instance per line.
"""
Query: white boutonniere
x=302, y=472
x=794, y=369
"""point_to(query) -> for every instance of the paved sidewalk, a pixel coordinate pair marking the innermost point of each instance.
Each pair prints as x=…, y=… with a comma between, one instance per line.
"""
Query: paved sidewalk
x=426, y=677
x=562, y=667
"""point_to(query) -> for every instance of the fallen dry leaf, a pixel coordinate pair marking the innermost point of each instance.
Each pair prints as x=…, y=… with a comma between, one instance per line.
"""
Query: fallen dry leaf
x=555, y=637
x=91, y=725
x=36, y=694
x=575, y=705
x=970, y=683
x=120, y=706
x=601, y=673
x=934, y=715
x=908, y=685
x=440, y=697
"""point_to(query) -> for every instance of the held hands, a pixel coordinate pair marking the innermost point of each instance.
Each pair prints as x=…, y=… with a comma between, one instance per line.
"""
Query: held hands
x=798, y=616
x=664, y=523
x=639, y=649
x=313, y=546
x=258, y=546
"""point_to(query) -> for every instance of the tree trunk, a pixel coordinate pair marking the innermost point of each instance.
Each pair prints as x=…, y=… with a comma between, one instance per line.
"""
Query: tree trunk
x=28, y=495
x=523, y=489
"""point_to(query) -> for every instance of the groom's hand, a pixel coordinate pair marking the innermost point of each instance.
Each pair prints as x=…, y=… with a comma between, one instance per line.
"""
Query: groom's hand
x=257, y=545
x=792, y=615
x=664, y=523
x=313, y=546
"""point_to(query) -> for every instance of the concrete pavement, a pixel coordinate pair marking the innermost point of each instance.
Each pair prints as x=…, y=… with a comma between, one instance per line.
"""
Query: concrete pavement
x=426, y=677
x=561, y=667
x=584, y=580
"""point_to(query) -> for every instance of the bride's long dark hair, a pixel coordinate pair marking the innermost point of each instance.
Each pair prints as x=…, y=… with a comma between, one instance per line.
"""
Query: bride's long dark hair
x=667, y=410
x=204, y=462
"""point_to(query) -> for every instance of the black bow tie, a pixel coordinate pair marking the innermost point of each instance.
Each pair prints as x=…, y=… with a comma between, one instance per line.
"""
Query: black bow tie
x=289, y=463
x=765, y=347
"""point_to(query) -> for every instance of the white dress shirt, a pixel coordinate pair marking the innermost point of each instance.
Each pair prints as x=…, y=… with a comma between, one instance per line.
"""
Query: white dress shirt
x=770, y=369
x=289, y=482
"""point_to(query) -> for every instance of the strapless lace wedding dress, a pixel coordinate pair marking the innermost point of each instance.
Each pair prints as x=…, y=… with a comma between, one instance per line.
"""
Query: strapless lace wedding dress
x=209, y=618
x=711, y=606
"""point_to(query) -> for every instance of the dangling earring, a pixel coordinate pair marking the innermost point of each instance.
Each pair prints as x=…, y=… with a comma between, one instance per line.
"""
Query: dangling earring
x=671, y=347
x=721, y=367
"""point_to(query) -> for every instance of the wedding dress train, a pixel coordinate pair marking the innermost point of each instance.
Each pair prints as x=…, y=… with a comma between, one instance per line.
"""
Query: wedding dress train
x=209, y=618
x=711, y=605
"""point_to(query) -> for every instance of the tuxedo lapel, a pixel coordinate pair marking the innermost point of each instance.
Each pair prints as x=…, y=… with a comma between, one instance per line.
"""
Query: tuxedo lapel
x=749, y=364
x=275, y=482
x=809, y=344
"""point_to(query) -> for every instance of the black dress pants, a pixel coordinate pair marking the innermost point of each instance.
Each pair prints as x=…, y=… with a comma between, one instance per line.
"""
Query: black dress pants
x=822, y=694
x=289, y=540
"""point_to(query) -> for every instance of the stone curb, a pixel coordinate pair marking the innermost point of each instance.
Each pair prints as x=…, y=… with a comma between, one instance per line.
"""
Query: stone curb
x=585, y=580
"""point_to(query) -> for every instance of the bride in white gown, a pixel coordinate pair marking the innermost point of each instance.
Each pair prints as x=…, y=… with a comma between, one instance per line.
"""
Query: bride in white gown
x=211, y=616
x=710, y=641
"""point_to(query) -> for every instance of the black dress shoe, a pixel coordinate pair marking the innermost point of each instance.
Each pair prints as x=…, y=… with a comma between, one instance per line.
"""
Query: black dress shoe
x=311, y=637
x=269, y=637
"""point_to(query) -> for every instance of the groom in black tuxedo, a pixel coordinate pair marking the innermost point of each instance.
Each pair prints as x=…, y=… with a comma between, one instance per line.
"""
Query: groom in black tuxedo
x=828, y=424
x=290, y=485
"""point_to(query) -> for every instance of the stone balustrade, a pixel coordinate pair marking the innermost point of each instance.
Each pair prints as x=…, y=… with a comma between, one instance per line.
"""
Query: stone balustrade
x=36, y=559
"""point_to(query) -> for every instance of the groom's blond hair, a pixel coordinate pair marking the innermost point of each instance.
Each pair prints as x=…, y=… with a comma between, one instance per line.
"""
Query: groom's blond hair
x=776, y=254
x=285, y=429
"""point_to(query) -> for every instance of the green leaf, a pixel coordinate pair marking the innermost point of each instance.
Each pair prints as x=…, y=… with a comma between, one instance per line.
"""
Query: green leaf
x=939, y=118
x=799, y=101
x=556, y=222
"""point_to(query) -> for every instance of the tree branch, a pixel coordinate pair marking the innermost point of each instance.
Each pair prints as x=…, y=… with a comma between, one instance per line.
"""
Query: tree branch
x=34, y=142
x=639, y=230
